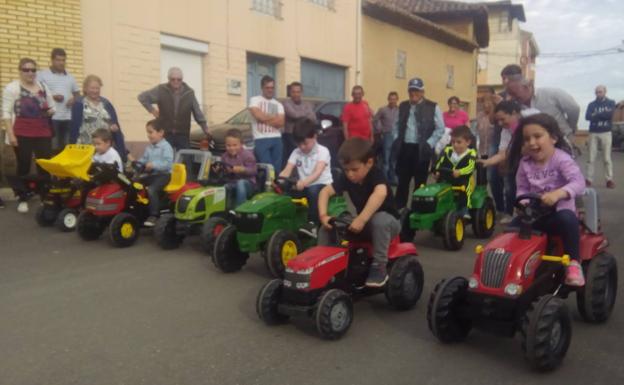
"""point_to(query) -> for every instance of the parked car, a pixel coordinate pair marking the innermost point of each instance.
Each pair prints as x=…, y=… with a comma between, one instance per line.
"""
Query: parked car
x=331, y=137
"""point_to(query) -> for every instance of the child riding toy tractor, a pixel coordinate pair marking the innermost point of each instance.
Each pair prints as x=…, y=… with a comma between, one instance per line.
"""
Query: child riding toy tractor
x=271, y=222
x=435, y=207
x=517, y=285
x=322, y=282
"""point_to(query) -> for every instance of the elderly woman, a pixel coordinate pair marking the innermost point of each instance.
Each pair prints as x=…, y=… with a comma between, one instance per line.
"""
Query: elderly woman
x=93, y=111
x=455, y=116
x=27, y=106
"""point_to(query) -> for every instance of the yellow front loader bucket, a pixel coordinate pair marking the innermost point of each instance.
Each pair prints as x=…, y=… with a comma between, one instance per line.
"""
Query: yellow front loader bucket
x=73, y=162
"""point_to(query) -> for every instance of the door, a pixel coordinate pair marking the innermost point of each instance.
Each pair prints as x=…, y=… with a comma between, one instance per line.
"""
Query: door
x=322, y=80
x=190, y=64
x=257, y=67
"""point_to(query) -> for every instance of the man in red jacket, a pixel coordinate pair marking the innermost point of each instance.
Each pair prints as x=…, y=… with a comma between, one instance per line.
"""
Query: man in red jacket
x=357, y=116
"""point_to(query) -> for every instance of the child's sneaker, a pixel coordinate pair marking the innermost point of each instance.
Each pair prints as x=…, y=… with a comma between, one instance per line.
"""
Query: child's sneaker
x=574, y=275
x=310, y=229
x=22, y=207
x=377, y=276
x=150, y=222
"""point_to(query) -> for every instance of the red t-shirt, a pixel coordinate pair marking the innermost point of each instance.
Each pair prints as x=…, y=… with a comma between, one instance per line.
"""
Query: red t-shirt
x=459, y=118
x=358, y=119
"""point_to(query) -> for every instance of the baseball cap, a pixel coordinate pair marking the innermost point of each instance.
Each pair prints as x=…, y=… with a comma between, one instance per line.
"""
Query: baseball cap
x=416, y=84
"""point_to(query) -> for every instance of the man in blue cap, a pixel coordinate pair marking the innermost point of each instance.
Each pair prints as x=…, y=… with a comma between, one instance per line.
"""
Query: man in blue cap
x=418, y=129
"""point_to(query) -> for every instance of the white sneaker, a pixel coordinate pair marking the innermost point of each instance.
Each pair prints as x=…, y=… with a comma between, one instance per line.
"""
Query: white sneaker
x=22, y=207
x=505, y=219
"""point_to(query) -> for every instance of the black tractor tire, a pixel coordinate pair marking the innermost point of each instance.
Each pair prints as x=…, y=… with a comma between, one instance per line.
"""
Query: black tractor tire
x=226, y=256
x=452, y=237
x=268, y=301
x=210, y=231
x=283, y=245
x=546, y=332
x=483, y=219
x=165, y=232
x=46, y=215
x=405, y=283
x=442, y=314
x=123, y=230
x=596, y=299
x=67, y=220
x=89, y=227
x=333, y=314
x=407, y=234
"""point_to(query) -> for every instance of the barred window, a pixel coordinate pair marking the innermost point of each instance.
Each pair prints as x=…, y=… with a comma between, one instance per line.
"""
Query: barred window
x=329, y=4
x=270, y=7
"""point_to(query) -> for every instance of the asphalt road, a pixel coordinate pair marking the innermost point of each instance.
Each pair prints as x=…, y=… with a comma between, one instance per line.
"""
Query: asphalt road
x=73, y=312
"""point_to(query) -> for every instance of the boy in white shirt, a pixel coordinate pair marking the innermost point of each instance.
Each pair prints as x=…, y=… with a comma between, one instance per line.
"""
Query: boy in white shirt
x=313, y=165
x=104, y=152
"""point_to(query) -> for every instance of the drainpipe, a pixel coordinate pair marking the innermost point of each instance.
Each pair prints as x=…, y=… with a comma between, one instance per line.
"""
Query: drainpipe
x=358, y=43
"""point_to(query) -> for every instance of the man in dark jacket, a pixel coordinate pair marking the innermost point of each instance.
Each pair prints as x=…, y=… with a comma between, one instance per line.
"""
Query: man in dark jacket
x=175, y=102
x=599, y=113
x=418, y=129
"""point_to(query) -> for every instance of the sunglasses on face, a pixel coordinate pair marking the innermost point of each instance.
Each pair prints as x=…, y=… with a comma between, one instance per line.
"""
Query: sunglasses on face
x=175, y=79
x=33, y=70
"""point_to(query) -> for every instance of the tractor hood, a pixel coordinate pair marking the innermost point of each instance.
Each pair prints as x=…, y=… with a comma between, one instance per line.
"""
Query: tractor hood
x=263, y=202
x=432, y=190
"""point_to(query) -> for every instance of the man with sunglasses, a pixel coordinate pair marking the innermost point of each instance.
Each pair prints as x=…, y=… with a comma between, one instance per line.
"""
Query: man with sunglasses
x=175, y=102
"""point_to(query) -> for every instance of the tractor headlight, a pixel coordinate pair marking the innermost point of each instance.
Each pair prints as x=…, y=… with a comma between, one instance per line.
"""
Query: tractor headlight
x=473, y=283
x=307, y=271
x=530, y=264
x=287, y=283
x=513, y=289
x=429, y=199
x=302, y=285
x=252, y=216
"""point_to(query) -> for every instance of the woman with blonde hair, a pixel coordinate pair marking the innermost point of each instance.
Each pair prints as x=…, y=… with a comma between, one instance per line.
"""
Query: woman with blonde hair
x=92, y=112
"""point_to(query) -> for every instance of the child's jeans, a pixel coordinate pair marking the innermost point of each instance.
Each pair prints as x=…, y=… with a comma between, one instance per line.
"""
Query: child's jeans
x=381, y=229
x=269, y=150
x=155, y=184
x=238, y=192
x=312, y=193
x=563, y=223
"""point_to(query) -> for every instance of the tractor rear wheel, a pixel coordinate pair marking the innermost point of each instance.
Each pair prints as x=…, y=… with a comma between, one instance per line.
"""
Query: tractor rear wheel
x=123, y=231
x=67, y=220
x=227, y=256
x=546, y=332
x=210, y=231
x=596, y=299
x=166, y=234
x=281, y=248
x=333, y=314
x=442, y=311
x=483, y=219
x=268, y=301
x=453, y=231
x=405, y=283
x=46, y=215
x=89, y=226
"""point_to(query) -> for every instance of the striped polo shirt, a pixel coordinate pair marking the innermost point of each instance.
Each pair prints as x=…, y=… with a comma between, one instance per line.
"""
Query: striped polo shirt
x=59, y=83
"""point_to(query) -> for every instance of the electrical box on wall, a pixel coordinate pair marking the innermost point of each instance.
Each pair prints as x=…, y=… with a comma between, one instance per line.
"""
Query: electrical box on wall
x=234, y=86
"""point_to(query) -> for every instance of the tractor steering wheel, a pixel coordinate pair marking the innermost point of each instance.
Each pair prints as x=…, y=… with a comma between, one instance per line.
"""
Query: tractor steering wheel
x=218, y=171
x=284, y=185
x=533, y=210
x=445, y=172
x=341, y=224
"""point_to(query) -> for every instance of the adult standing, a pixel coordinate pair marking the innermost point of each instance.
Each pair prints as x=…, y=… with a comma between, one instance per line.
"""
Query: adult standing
x=384, y=122
x=455, y=116
x=64, y=91
x=419, y=127
x=599, y=113
x=27, y=106
x=175, y=102
x=92, y=112
x=357, y=116
x=267, y=121
x=295, y=109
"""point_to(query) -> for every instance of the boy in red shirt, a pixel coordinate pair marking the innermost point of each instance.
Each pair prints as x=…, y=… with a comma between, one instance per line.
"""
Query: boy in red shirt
x=357, y=117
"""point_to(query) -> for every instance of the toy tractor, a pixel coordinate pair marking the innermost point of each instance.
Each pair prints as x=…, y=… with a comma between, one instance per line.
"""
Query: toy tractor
x=434, y=207
x=204, y=210
x=122, y=203
x=322, y=282
x=517, y=285
x=273, y=223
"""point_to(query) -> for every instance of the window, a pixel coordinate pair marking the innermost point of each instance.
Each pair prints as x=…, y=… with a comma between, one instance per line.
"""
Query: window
x=270, y=7
x=329, y=4
x=503, y=22
x=401, y=59
x=482, y=61
x=450, y=76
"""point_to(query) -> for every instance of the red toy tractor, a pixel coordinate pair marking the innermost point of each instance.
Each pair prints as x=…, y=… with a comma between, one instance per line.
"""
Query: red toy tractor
x=518, y=285
x=322, y=282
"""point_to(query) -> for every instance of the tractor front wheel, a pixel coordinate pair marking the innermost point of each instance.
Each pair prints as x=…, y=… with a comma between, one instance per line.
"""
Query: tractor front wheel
x=596, y=299
x=546, y=332
x=442, y=311
x=268, y=301
x=453, y=231
x=89, y=226
x=210, y=231
x=281, y=248
x=165, y=232
x=123, y=230
x=67, y=220
x=46, y=215
x=227, y=256
x=483, y=219
x=405, y=283
x=334, y=313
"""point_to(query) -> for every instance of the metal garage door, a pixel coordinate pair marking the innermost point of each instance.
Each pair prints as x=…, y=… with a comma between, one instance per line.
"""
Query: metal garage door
x=322, y=80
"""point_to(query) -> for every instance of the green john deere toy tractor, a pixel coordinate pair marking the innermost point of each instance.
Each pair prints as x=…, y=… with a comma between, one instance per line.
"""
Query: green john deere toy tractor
x=273, y=223
x=204, y=210
x=434, y=207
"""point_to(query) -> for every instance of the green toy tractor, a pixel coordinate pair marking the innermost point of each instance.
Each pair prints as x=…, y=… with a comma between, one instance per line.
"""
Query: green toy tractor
x=273, y=223
x=434, y=207
x=204, y=210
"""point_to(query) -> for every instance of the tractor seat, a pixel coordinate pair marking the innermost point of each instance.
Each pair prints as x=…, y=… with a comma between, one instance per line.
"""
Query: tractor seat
x=178, y=178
